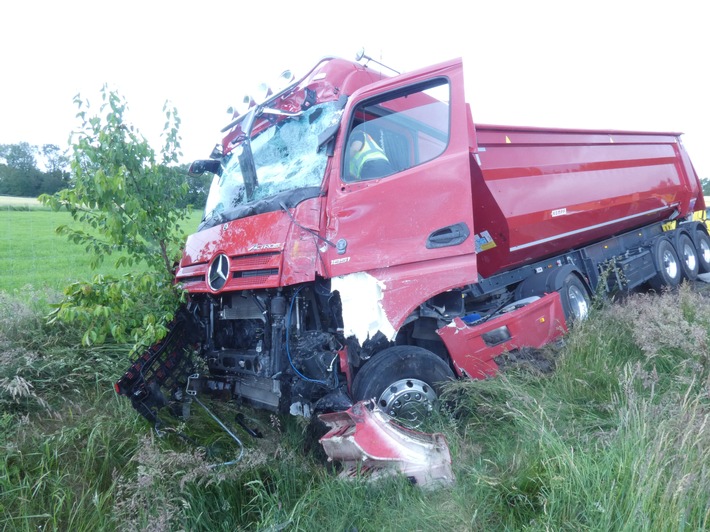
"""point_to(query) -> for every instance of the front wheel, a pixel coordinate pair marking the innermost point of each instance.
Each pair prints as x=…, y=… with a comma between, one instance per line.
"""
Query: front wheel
x=404, y=381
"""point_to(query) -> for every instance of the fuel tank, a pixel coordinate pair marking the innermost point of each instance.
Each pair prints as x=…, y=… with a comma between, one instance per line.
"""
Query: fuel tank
x=541, y=192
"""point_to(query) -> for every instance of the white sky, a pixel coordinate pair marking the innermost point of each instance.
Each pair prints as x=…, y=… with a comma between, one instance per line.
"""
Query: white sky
x=619, y=64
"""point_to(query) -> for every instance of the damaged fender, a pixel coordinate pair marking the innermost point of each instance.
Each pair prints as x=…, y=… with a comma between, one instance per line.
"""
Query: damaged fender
x=369, y=443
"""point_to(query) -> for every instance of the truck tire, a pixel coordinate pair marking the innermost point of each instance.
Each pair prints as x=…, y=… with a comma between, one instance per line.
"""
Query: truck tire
x=668, y=269
x=405, y=382
x=688, y=255
x=575, y=298
x=702, y=244
x=574, y=294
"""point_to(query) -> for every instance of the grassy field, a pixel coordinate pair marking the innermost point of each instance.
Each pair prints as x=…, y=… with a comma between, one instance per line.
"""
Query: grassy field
x=616, y=438
x=31, y=253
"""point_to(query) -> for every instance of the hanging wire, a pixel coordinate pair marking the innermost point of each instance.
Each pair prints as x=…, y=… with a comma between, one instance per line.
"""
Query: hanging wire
x=193, y=395
x=288, y=336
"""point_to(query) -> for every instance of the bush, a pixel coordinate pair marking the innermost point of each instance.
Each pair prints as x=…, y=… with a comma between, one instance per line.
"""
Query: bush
x=128, y=200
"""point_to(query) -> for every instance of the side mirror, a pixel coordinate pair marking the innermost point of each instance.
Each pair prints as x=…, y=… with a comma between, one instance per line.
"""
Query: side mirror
x=203, y=165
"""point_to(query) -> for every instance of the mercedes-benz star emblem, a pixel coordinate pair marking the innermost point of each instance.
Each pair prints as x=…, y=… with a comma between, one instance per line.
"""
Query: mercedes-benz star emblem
x=219, y=272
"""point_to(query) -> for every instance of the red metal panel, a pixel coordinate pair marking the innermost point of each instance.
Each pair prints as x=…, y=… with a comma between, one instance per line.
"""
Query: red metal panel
x=255, y=234
x=301, y=248
x=254, y=246
x=489, y=135
x=542, y=192
x=534, y=325
x=371, y=444
x=386, y=222
x=407, y=286
x=266, y=250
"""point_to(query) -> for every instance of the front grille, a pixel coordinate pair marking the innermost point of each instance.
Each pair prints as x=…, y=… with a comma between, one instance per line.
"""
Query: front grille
x=256, y=273
x=192, y=279
x=254, y=278
x=250, y=261
x=246, y=271
x=258, y=270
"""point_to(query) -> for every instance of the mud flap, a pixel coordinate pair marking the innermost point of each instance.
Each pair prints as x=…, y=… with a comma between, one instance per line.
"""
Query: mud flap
x=370, y=444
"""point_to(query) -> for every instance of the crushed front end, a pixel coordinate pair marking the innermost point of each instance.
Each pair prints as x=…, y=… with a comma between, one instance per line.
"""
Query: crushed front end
x=261, y=323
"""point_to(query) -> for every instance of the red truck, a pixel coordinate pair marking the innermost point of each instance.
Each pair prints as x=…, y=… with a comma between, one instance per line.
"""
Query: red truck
x=311, y=287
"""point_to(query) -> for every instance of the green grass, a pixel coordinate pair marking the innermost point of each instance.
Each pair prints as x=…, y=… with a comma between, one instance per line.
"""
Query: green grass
x=31, y=253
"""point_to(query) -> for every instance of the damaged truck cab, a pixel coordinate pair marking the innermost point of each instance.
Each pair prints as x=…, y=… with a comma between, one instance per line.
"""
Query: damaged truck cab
x=312, y=286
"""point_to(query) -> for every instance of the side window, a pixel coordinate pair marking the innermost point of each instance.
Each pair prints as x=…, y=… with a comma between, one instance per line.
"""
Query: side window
x=397, y=131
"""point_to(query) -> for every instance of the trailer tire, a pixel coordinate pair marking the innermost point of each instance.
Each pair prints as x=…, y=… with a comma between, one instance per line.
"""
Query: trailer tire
x=688, y=255
x=575, y=298
x=668, y=268
x=702, y=244
x=405, y=382
x=566, y=281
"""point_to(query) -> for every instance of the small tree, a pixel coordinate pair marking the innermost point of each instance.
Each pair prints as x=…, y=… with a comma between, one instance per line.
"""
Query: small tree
x=127, y=200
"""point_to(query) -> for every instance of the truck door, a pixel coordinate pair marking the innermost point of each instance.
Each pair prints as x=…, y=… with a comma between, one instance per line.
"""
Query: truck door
x=411, y=202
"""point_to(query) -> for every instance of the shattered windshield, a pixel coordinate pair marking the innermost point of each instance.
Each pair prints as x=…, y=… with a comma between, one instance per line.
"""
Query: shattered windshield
x=286, y=158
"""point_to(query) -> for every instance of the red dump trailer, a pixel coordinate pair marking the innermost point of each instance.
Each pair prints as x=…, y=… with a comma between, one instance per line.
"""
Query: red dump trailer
x=543, y=192
x=364, y=238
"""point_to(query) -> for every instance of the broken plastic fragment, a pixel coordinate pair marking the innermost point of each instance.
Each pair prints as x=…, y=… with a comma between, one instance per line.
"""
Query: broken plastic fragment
x=369, y=443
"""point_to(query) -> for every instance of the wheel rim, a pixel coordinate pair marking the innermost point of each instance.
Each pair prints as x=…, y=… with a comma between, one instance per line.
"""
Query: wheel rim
x=690, y=257
x=409, y=400
x=705, y=251
x=670, y=265
x=578, y=303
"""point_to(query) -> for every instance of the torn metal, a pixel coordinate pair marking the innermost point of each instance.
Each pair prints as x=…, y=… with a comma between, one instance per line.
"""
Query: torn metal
x=370, y=444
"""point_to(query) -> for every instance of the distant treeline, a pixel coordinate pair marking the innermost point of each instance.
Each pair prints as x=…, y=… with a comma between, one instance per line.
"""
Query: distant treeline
x=21, y=175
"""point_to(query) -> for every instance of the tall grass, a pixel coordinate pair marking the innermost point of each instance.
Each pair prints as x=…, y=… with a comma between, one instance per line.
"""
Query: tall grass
x=616, y=438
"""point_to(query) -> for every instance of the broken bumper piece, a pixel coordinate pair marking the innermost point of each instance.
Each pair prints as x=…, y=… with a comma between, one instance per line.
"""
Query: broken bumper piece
x=370, y=444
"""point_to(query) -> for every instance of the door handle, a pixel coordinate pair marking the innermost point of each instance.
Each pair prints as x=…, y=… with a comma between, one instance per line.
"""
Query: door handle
x=451, y=235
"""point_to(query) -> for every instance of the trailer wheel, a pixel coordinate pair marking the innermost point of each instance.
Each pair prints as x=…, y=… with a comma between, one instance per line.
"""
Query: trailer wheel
x=703, y=247
x=575, y=298
x=668, y=269
x=404, y=381
x=688, y=255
